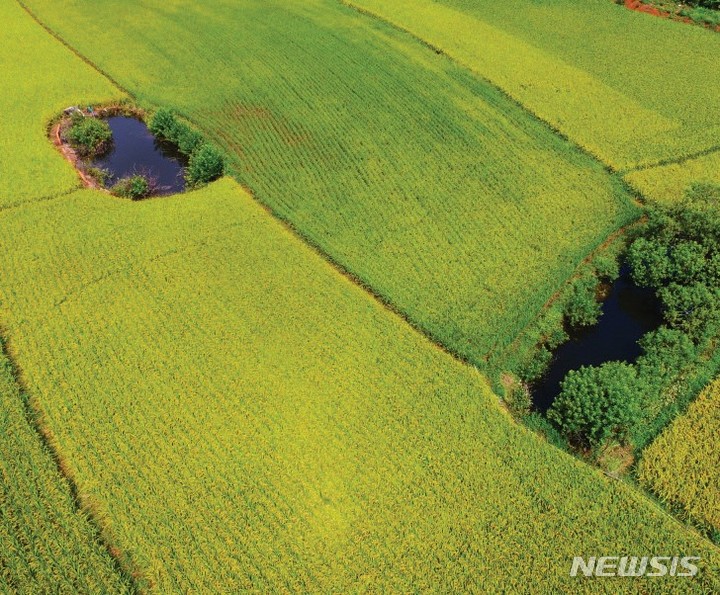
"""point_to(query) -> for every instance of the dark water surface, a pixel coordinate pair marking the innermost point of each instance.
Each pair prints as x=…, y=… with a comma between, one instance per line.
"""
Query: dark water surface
x=135, y=150
x=627, y=314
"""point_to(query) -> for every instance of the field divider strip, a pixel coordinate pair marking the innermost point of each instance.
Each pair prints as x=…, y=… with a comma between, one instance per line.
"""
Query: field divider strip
x=35, y=416
x=457, y=63
x=672, y=161
x=576, y=273
x=47, y=198
x=70, y=48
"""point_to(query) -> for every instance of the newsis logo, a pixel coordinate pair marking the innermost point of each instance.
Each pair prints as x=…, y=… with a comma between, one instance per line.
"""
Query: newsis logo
x=635, y=566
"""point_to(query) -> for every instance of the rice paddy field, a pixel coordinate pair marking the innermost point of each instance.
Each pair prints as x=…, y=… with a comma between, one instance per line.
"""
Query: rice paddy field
x=201, y=400
x=274, y=441
x=682, y=466
x=45, y=541
x=632, y=89
x=429, y=185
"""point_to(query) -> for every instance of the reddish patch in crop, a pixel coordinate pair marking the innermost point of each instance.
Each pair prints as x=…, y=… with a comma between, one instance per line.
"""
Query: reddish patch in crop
x=640, y=6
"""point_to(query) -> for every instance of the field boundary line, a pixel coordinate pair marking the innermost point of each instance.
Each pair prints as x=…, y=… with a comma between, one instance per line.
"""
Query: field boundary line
x=41, y=199
x=615, y=235
x=35, y=413
x=70, y=48
x=672, y=161
x=35, y=417
x=479, y=76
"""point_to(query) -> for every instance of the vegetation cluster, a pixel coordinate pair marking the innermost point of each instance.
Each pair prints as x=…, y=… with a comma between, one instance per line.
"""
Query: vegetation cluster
x=206, y=162
x=675, y=253
x=89, y=136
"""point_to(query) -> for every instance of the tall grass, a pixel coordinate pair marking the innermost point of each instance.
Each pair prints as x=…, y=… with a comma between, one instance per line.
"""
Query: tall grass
x=630, y=88
x=38, y=78
x=46, y=543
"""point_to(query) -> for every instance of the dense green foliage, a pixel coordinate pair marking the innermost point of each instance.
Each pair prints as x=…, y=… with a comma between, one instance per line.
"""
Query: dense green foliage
x=424, y=182
x=582, y=307
x=677, y=254
x=683, y=465
x=165, y=124
x=135, y=187
x=598, y=404
x=90, y=137
x=206, y=164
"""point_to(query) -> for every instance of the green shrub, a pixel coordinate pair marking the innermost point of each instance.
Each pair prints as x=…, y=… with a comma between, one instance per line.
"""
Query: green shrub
x=517, y=397
x=597, y=404
x=164, y=124
x=536, y=366
x=206, y=164
x=607, y=268
x=135, y=187
x=90, y=136
x=187, y=140
x=582, y=307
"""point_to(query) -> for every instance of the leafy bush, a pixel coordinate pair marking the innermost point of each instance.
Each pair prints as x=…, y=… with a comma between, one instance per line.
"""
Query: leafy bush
x=597, y=404
x=582, y=307
x=90, y=136
x=206, y=164
x=187, y=140
x=100, y=175
x=164, y=124
x=607, y=268
x=517, y=396
x=135, y=187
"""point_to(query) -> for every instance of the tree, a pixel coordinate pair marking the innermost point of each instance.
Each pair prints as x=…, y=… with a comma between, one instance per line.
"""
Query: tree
x=598, y=404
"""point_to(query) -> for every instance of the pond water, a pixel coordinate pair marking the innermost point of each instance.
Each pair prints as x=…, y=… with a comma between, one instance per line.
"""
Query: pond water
x=136, y=150
x=627, y=314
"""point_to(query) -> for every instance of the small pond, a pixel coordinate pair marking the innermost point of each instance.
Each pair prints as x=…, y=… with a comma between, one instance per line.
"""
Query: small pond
x=136, y=151
x=627, y=314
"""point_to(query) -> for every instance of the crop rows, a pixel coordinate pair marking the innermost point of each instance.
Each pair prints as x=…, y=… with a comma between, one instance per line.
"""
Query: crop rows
x=38, y=78
x=682, y=466
x=44, y=540
x=245, y=418
x=239, y=415
x=593, y=70
x=668, y=183
x=430, y=186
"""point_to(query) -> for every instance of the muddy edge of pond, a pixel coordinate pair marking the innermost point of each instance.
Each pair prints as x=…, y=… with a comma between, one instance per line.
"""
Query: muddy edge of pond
x=59, y=123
